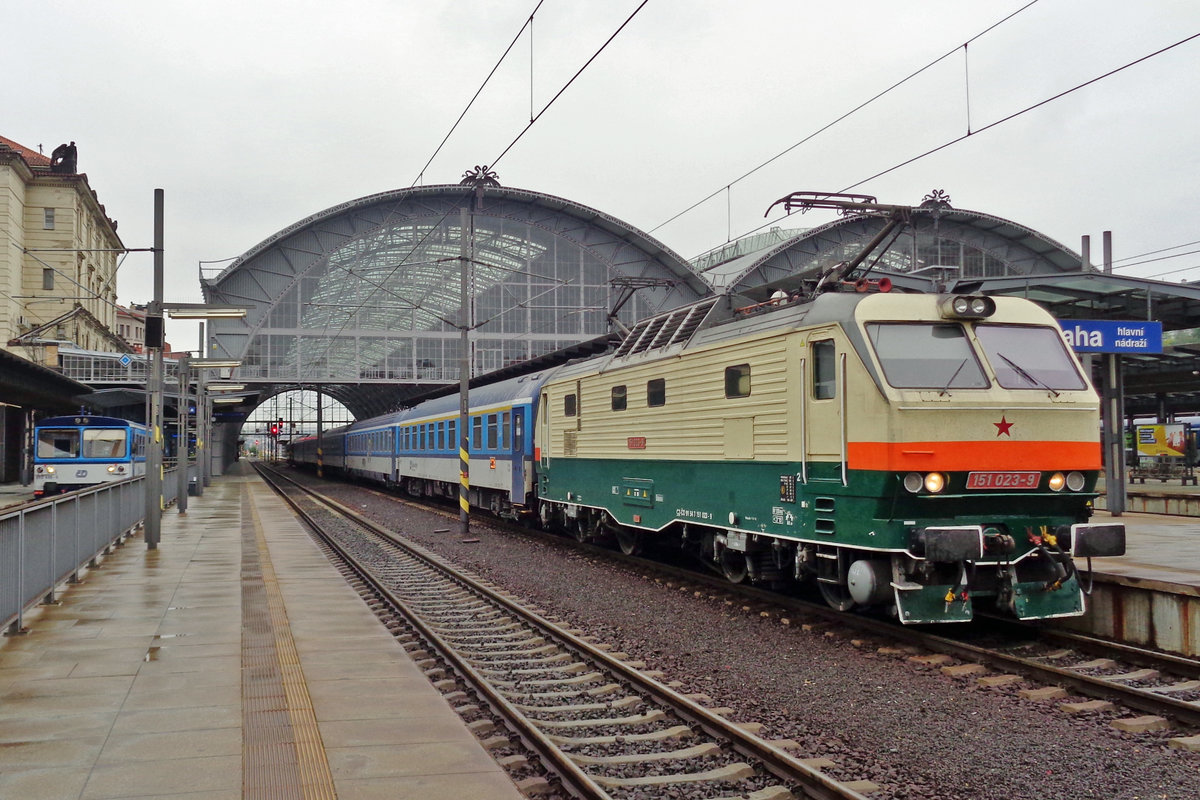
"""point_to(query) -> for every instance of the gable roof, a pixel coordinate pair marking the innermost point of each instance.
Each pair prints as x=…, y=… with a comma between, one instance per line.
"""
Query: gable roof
x=31, y=157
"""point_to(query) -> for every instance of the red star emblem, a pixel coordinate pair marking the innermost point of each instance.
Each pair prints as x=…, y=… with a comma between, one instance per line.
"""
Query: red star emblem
x=1002, y=427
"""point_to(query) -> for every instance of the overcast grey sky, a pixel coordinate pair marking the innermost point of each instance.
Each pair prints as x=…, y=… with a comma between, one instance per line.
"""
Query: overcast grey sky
x=252, y=114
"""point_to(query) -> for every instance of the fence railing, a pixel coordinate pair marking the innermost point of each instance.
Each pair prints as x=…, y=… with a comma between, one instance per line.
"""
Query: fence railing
x=48, y=542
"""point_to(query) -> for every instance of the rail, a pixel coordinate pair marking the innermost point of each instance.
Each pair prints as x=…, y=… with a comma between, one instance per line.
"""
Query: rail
x=47, y=542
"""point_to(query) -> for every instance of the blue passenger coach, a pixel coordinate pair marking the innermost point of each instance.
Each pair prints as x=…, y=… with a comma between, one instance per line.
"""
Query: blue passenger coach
x=417, y=449
x=80, y=451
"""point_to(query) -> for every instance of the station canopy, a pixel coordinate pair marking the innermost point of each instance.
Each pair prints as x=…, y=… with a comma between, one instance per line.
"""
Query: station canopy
x=362, y=301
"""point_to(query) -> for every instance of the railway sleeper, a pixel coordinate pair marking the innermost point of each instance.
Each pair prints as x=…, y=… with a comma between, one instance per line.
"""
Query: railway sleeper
x=664, y=735
x=696, y=751
x=729, y=772
x=588, y=677
x=655, y=715
x=629, y=701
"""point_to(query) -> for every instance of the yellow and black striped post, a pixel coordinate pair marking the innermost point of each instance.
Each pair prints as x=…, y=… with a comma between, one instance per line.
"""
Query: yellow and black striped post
x=464, y=373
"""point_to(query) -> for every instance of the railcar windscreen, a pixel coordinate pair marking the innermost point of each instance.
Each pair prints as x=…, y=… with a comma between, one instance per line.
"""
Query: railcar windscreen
x=103, y=443
x=926, y=356
x=1029, y=357
x=57, y=443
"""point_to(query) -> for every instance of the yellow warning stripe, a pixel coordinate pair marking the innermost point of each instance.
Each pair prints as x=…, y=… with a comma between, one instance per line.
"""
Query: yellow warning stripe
x=316, y=780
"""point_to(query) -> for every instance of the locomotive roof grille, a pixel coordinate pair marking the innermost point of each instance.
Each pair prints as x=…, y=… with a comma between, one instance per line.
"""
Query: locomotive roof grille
x=664, y=330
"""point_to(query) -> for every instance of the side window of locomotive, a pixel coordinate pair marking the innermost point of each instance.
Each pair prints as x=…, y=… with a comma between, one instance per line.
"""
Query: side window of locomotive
x=570, y=406
x=737, y=381
x=656, y=392
x=926, y=356
x=824, y=374
x=1029, y=357
x=619, y=399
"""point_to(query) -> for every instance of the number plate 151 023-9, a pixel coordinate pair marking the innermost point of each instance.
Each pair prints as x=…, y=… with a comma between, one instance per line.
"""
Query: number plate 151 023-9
x=1003, y=480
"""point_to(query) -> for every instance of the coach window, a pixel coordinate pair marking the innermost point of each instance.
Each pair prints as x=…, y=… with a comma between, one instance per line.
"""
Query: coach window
x=618, y=398
x=824, y=359
x=492, y=439
x=570, y=406
x=737, y=381
x=505, y=439
x=477, y=433
x=656, y=392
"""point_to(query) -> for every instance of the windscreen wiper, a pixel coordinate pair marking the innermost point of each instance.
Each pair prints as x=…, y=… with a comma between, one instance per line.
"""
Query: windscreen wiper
x=946, y=388
x=1035, y=381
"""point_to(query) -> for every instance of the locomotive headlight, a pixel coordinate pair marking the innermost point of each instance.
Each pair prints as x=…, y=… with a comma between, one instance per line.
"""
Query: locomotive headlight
x=49, y=470
x=935, y=482
x=1075, y=481
x=913, y=482
x=967, y=306
x=1057, y=482
x=981, y=307
x=112, y=468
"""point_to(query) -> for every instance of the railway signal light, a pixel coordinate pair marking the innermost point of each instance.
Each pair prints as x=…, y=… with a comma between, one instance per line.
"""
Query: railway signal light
x=274, y=429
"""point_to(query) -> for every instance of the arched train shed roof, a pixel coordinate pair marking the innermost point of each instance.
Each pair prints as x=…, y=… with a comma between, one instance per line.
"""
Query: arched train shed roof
x=362, y=300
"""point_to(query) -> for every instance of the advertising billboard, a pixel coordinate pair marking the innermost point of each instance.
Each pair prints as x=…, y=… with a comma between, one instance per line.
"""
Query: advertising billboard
x=1162, y=440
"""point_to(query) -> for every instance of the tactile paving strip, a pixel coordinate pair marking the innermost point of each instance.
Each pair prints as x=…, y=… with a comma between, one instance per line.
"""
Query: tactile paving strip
x=283, y=756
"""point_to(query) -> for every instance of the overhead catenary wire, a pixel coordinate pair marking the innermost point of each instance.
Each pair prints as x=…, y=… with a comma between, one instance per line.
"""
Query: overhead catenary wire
x=567, y=85
x=527, y=24
x=404, y=261
x=989, y=126
x=846, y=116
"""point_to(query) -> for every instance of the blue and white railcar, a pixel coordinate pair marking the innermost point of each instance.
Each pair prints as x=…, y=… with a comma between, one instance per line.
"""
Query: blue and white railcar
x=80, y=451
x=417, y=449
x=500, y=443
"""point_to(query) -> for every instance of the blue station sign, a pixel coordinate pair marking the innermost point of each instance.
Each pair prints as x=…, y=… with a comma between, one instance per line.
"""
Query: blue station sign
x=1112, y=336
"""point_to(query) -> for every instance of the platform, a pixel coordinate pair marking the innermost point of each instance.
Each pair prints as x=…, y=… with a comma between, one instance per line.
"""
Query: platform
x=233, y=661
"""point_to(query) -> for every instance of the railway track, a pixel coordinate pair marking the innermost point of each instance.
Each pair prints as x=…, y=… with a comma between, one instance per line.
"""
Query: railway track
x=603, y=726
x=1165, y=688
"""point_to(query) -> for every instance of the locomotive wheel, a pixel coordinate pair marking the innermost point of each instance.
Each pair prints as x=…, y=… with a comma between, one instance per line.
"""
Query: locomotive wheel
x=837, y=596
x=733, y=564
x=583, y=529
x=630, y=541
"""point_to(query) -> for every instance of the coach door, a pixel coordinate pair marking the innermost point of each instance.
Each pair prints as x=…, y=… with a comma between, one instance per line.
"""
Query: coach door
x=824, y=408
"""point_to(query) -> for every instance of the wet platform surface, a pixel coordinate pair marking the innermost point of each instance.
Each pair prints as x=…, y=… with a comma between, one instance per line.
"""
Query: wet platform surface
x=1158, y=548
x=233, y=661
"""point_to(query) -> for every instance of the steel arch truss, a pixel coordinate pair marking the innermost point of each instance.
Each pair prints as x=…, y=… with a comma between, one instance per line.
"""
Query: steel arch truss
x=946, y=246
x=367, y=294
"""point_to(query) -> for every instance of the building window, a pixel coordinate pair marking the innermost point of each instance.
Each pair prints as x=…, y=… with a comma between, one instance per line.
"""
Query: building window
x=619, y=402
x=656, y=392
x=47, y=279
x=737, y=381
x=48, y=219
